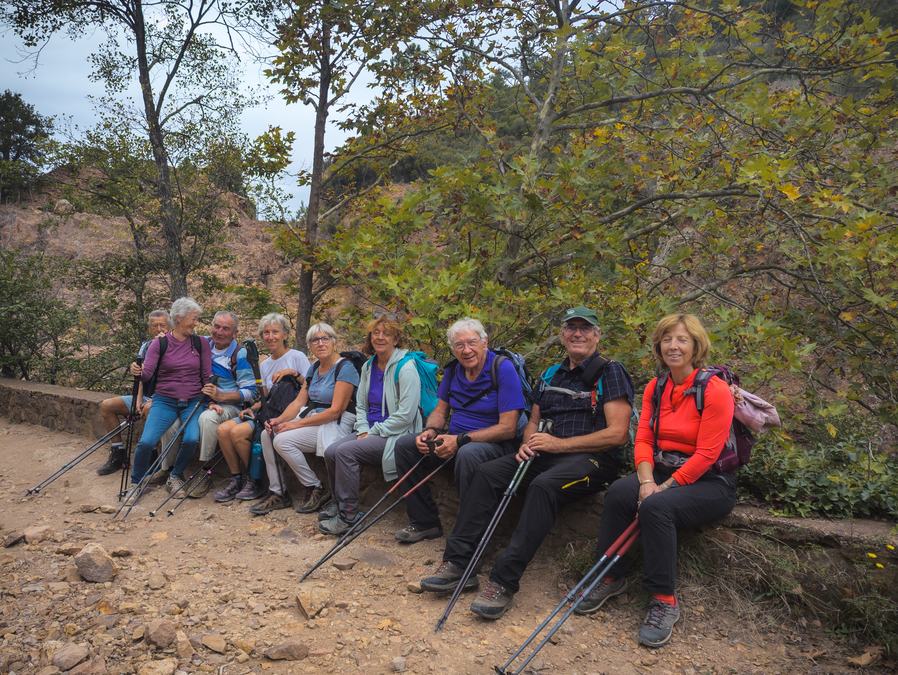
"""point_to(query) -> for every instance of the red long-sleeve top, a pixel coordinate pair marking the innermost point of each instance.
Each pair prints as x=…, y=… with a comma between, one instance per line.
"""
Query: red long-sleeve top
x=682, y=429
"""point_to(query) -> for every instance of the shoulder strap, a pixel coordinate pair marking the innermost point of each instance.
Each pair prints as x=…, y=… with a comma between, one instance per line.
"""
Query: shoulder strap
x=699, y=385
x=498, y=359
x=198, y=346
x=234, y=355
x=660, y=385
x=549, y=373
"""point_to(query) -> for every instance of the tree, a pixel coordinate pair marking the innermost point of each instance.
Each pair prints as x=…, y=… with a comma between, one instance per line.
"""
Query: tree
x=24, y=134
x=180, y=56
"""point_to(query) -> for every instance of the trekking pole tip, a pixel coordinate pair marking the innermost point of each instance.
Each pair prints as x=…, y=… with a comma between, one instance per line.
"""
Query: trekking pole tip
x=152, y=514
x=171, y=512
x=439, y=626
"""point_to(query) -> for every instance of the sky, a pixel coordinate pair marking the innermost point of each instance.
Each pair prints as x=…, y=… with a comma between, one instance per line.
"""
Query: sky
x=60, y=86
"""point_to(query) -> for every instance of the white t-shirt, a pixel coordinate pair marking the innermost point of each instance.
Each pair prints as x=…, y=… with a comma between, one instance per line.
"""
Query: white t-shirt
x=292, y=359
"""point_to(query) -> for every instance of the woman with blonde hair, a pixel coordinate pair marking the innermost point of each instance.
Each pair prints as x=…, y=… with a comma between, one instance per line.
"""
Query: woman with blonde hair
x=676, y=484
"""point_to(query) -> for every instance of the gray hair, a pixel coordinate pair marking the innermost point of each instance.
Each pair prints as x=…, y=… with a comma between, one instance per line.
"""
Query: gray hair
x=466, y=324
x=320, y=327
x=181, y=307
x=274, y=317
x=233, y=316
x=158, y=314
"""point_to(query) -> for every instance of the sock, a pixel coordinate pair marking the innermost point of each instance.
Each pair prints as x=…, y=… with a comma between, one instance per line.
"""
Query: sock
x=237, y=475
x=666, y=599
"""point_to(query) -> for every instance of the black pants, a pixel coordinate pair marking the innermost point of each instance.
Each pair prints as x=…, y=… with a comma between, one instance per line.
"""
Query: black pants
x=551, y=482
x=688, y=506
x=420, y=506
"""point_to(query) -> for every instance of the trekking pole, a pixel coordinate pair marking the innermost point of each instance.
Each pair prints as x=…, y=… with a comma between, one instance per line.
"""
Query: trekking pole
x=136, y=491
x=618, y=548
x=195, y=479
x=71, y=464
x=346, y=541
x=545, y=425
x=132, y=417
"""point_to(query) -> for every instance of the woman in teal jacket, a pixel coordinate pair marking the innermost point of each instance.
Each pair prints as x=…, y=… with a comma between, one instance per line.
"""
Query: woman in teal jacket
x=387, y=407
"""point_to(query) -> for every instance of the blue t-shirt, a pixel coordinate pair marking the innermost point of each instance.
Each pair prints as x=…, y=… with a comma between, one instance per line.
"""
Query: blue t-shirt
x=321, y=386
x=375, y=396
x=457, y=390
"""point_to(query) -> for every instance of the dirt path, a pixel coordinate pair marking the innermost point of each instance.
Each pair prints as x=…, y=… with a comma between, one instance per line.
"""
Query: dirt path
x=226, y=584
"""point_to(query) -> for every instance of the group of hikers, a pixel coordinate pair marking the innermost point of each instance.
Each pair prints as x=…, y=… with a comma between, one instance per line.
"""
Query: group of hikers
x=573, y=426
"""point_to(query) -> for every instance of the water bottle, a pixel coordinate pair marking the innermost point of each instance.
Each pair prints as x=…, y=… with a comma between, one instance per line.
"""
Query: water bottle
x=256, y=461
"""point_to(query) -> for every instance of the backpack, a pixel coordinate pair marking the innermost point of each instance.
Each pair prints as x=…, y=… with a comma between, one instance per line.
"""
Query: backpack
x=501, y=355
x=252, y=355
x=427, y=372
x=282, y=394
x=357, y=359
x=593, y=377
x=149, y=387
x=737, y=449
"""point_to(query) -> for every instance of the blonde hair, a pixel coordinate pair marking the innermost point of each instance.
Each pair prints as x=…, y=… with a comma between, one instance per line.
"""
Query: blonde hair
x=388, y=325
x=701, y=343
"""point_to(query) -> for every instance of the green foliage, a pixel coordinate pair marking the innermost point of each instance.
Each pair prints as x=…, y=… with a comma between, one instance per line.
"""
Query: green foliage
x=825, y=476
x=24, y=137
x=33, y=342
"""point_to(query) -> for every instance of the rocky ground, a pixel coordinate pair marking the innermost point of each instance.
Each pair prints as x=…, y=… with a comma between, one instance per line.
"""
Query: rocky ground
x=214, y=589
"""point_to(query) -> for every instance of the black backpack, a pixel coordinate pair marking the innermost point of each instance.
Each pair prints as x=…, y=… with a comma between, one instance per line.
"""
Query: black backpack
x=150, y=387
x=357, y=359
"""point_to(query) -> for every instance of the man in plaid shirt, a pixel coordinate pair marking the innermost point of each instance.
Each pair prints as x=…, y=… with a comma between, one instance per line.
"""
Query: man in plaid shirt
x=585, y=403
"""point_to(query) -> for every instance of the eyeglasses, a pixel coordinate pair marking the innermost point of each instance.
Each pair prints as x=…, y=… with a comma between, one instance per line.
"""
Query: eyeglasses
x=320, y=339
x=470, y=344
x=570, y=330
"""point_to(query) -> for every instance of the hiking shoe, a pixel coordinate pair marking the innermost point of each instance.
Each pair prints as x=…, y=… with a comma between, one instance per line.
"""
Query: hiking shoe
x=200, y=487
x=272, y=502
x=446, y=578
x=658, y=624
x=608, y=588
x=175, y=487
x=316, y=498
x=159, y=478
x=492, y=601
x=252, y=490
x=411, y=534
x=115, y=461
x=229, y=491
x=339, y=524
x=329, y=511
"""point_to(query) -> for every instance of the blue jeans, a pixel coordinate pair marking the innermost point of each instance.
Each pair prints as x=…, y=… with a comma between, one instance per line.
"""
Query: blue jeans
x=163, y=413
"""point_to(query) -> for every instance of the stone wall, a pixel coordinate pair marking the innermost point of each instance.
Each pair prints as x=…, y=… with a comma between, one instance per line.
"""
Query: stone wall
x=57, y=408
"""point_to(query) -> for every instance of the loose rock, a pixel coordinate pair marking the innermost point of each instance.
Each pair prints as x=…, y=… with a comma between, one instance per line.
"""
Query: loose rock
x=161, y=667
x=70, y=656
x=161, y=633
x=183, y=648
x=156, y=580
x=414, y=587
x=95, y=565
x=63, y=207
x=344, y=563
x=215, y=642
x=37, y=533
x=311, y=600
x=291, y=650
x=13, y=538
x=121, y=552
x=398, y=664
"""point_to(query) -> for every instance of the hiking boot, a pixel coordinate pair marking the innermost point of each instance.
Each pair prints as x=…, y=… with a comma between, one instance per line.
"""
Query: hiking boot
x=339, y=524
x=492, y=601
x=658, y=624
x=316, y=498
x=251, y=490
x=446, y=578
x=229, y=491
x=159, y=478
x=272, y=502
x=175, y=487
x=608, y=588
x=115, y=461
x=329, y=511
x=200, y=487
x=411, y=534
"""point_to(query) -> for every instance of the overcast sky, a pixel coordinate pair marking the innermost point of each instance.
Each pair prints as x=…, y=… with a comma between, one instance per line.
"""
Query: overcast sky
x=60, y=86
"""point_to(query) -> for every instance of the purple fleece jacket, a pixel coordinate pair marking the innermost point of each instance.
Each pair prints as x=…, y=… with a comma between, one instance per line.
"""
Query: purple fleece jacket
x=181, y=370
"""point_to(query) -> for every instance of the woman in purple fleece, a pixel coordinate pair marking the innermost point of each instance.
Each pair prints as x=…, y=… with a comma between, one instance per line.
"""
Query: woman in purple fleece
x=180, y=375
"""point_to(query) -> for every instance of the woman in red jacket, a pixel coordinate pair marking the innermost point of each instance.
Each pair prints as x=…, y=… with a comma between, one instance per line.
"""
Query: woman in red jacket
x=675, y=484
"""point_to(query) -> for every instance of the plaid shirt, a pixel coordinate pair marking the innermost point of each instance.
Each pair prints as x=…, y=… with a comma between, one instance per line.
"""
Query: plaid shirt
x=575, y=416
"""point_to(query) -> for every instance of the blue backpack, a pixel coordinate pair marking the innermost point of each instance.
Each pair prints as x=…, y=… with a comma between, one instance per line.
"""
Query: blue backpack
x=427, y=372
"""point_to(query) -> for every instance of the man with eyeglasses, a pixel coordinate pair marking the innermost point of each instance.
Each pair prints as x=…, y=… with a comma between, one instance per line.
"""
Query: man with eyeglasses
x=475, y=420
x=578, y=425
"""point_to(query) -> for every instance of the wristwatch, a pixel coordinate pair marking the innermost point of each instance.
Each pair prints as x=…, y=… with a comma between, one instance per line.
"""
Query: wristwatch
x=462, y=439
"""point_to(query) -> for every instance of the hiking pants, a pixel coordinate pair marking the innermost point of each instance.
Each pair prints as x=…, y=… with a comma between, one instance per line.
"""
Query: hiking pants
x=344, y=460
x=292, y=446
x=552, y=481
x=420, y=506
x=164, y=411
x=209, y=422
x=709, y=499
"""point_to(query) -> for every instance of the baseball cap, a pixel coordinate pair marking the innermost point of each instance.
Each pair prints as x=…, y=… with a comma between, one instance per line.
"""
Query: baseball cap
x=581, y=312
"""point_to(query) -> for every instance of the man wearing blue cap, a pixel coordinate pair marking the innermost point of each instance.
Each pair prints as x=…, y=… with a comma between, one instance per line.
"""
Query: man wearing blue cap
x=578, y=425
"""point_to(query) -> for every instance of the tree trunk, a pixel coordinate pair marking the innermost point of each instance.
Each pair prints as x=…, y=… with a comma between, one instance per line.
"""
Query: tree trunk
x=306, y=300
x=171, y=227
